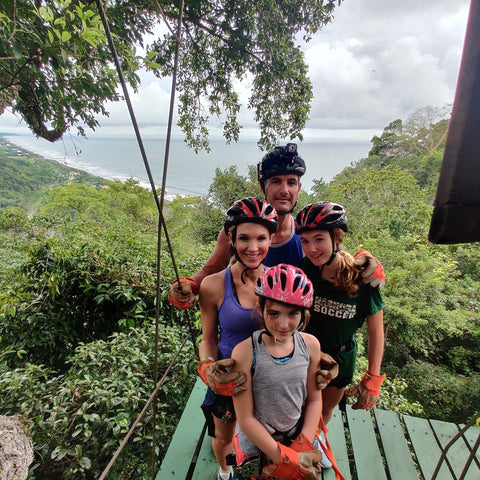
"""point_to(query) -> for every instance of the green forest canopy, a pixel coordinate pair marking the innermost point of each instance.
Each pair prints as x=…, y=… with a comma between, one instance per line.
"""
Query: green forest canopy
x=78, y=287
x=56, y=66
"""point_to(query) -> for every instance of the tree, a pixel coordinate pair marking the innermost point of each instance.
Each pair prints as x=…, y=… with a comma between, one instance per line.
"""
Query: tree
x=424, y=132
x=56, y=67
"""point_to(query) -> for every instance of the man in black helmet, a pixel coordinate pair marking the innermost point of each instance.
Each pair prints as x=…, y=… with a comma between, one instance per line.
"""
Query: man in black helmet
x=279, y=174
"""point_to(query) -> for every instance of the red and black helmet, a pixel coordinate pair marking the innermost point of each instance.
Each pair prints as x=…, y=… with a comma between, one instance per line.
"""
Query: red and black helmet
x=321, y=216
x=280, y=161
x=251, y=210
x=287, y=284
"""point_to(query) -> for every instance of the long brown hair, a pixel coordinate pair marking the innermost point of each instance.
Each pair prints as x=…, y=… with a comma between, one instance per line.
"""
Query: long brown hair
x=348, y=276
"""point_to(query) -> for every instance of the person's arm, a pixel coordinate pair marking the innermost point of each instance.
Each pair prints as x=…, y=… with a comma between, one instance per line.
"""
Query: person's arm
x=376, y=342
x=313, y=404
x=217, y=374
x=211, y=291
x=368, y=390
x=183, y=296
x=242, y=354
x=217, y=260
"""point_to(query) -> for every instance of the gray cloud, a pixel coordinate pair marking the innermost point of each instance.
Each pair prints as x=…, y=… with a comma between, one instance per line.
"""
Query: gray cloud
x=378, y=60
x=382, y=60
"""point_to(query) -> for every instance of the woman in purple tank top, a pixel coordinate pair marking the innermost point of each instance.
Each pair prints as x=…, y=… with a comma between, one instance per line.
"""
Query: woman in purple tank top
x=227, y=299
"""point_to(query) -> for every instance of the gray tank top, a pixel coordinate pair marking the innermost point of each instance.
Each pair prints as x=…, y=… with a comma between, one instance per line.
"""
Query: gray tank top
x=279, y=389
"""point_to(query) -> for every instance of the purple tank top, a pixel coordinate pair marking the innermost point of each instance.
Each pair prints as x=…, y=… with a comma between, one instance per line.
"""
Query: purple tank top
x=234, y=321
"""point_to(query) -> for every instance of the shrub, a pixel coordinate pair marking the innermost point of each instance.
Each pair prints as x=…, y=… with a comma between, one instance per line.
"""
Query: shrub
x=77, y=420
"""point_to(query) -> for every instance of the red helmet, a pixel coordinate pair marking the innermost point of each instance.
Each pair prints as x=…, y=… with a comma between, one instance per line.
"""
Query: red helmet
x=321, y=216
x=287, y=284
x=253, y=210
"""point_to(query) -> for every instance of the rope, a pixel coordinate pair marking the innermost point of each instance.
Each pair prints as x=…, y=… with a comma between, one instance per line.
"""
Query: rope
x=137, y=131
x=142, y=413
x=159, y=238
x=161, y=223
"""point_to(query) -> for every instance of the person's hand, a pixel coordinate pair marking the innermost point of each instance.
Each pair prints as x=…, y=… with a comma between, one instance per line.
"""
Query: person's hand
x=328, y=371
x=183, y=295
x=219, y=377
x=294, y=465
x=372, y=269
x=367, y=391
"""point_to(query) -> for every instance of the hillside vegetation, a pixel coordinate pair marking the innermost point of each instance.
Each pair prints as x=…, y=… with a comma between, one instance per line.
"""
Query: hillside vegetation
x=78, y=290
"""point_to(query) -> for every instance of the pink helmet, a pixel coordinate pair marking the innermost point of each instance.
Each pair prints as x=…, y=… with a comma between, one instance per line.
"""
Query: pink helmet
x=287, y=284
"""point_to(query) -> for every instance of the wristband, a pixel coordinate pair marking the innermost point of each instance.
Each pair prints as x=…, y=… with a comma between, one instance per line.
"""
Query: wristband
x=195, y=285
x=372, y=382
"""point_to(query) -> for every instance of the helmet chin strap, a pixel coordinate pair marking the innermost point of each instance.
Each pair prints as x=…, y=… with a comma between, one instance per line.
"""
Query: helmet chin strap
x=270, y=334
x=246, y=269
x=332, y=256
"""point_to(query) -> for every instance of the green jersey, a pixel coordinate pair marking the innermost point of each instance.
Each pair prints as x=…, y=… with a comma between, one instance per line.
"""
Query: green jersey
x=335, y=317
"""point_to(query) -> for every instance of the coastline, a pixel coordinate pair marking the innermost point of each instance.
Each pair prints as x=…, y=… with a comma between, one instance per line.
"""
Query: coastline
x=72, y=165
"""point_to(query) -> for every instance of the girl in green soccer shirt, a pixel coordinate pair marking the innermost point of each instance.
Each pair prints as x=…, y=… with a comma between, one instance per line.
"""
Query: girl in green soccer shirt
x=341, y=304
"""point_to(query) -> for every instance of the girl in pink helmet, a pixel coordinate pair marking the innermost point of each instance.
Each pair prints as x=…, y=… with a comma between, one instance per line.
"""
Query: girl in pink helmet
x=278, y=414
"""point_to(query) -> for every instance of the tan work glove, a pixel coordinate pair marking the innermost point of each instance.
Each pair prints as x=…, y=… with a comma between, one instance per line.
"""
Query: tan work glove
x=183, y=296
x=328, y=371
x=295, y=465
x=219, y=377
x=372, y=269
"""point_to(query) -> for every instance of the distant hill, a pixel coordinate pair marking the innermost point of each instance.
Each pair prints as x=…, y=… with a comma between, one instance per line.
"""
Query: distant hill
x=25, y=177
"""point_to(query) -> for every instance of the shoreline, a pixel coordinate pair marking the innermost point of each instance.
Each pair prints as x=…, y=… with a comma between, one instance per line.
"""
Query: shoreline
x=9, y=140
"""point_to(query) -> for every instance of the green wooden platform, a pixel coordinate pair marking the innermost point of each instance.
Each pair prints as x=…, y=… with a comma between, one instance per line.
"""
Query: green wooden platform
x=377, y=445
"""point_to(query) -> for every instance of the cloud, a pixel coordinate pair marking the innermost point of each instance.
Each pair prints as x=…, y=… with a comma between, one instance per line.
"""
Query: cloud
x=382, y=60
x=378, y=60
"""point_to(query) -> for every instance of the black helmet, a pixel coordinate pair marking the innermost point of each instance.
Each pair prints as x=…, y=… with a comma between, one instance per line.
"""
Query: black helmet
x=321, y=216
x=280, y=161
x=253, y=210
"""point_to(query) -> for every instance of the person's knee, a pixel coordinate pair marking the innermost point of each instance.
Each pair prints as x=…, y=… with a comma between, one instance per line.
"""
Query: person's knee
x=221, y=439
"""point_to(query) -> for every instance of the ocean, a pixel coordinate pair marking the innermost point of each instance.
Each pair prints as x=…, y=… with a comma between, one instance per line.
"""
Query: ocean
x=118, y=157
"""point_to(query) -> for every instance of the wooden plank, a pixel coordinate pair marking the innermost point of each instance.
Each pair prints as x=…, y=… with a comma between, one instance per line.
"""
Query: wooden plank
x=425, y=447
x=368, y=458
x=206, y=466
x=176, y=463
x=336, y=438
x=400, y=463
x=458, y=452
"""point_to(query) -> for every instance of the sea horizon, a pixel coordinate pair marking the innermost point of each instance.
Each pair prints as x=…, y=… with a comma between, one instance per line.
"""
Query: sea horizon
x=118, y=157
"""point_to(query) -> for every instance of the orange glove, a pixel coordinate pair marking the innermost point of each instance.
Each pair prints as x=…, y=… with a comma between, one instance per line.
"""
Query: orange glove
x=183, y=296
x=304, y=465
x=367, y=390
x=217, y=375
x=373, y=272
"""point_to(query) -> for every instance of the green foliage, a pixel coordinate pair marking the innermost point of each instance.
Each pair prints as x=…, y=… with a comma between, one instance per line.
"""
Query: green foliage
x=78, y=298
x=444, y=395
x=70, y=291
x=25, y=178
x=56, y=68
x=228, y=186
x=78, y=419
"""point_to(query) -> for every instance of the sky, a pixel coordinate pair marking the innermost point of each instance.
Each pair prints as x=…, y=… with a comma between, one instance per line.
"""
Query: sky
x=379, y=60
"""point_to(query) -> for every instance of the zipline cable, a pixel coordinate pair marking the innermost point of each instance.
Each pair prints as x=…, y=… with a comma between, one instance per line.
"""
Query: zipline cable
x=136, y=129
x=159, y=203
x=159, y=238
x=142, y=413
